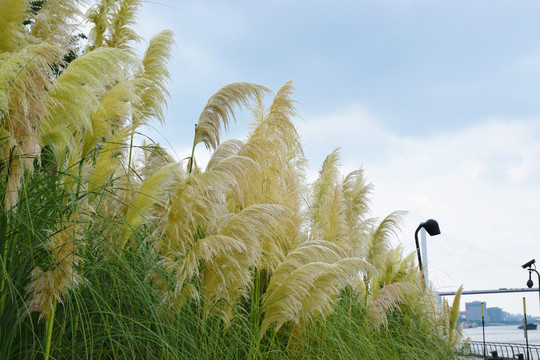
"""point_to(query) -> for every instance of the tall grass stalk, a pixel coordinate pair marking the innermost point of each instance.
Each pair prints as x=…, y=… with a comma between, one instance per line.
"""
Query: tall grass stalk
x=192, y=157
x=48, y=334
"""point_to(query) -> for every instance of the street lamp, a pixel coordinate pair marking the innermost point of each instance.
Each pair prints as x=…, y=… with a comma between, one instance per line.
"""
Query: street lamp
x=432, y=228
x=530, y=268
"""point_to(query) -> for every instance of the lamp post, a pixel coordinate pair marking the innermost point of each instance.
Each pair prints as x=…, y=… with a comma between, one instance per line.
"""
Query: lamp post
x=432, y=228
x=528, y=266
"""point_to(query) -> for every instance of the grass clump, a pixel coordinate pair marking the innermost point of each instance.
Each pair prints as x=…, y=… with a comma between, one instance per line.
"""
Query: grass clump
x=112, y=250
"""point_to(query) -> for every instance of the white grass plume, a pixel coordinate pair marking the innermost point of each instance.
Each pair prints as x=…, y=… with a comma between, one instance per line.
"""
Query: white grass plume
x=12, y=14
x=307, y=283
x=327, y=207
x=122, y=20
x=99, y=16
x=145, y=198
x=274, y=145
x=110, y=115
x=77, y=89
x=224, y=151
x=229, y=277
x=388, y=299
x=54, y=284
x=56, y=21
x=154, y=75
x=25, y=77
x=220, y=108
x=108, y=162
x=379, y=238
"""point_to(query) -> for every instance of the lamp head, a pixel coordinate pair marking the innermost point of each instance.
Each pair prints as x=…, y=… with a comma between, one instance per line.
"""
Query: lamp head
x=431, y=226
x=528, y=264
x=530, y=283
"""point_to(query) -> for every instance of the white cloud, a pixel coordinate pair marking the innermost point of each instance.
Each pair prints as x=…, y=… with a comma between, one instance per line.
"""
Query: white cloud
x=355, y=130
x=354, y=121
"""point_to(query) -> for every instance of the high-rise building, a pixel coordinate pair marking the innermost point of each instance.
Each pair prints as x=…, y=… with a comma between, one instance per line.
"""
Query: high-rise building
x=473, y=310
x=495, y=314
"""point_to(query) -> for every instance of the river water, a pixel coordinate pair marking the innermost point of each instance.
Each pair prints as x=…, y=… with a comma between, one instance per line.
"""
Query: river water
x=503, y=334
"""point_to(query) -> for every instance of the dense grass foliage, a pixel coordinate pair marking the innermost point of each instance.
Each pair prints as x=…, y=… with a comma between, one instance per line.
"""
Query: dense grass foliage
x=110, y=249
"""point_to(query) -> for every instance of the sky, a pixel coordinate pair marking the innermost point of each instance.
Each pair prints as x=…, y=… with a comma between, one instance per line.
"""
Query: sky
x=438, y=102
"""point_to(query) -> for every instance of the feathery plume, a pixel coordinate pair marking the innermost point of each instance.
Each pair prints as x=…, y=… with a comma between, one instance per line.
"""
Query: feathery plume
x=12, y=14
x=224, y=151
x=76, y=92
x=379, y=238
x=229, y=277
x=327, y=207
x=309, y=291
x=155, y=157
x=108, y=161
x=219, y=109
x=25, y=77
x=388, y=299
x=307, y=283
x=47, y=286
x=145, y=198
x=56, y=20
x=120, y=29
x=113, y=110
x=153, y=76
x=99, y=16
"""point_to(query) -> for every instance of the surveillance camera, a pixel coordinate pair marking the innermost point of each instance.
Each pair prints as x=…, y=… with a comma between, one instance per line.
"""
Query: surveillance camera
x=528, y=264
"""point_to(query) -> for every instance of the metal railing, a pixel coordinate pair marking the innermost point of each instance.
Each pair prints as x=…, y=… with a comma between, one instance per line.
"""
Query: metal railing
x=504, y=350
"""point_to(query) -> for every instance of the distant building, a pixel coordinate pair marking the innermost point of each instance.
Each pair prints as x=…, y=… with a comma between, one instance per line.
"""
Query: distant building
x=473, y=310
x=495, y=314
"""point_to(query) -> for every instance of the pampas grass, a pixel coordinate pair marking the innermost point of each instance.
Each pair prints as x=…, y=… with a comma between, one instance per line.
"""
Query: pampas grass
x=112, y=250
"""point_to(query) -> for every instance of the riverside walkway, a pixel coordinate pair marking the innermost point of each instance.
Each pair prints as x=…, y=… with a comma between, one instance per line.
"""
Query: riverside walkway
x=495, y=350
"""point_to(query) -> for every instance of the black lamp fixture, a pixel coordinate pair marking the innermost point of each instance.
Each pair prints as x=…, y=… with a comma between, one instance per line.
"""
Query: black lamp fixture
x=530, y=282
x=432, y=228
x=529, y=266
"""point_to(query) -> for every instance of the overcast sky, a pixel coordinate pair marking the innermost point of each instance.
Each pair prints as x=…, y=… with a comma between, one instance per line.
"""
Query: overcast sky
x=439, y=103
